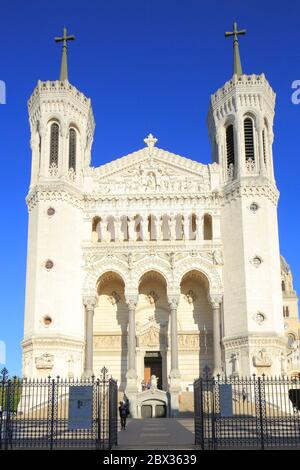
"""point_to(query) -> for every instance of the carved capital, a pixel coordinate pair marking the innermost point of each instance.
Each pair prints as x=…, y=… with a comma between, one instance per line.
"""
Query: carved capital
x=131, y=301
x=173, y=301
x=215, y=300
x=89, y=301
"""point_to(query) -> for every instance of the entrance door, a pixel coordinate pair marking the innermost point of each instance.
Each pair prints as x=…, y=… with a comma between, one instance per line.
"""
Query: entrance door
x=153, y=366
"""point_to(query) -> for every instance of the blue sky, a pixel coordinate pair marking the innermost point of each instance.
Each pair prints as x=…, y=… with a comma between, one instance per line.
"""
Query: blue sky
x=149, y=66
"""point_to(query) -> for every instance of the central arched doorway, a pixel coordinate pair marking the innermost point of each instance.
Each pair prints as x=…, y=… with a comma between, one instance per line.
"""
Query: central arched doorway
x=152, y=318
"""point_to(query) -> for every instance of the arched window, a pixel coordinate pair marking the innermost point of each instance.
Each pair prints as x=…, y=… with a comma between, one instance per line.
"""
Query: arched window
x=283, y=286
x=230, y=145
x=207, y=227
x=72, y=149
x=249, y=139
x=291, y=340
x=54, y=143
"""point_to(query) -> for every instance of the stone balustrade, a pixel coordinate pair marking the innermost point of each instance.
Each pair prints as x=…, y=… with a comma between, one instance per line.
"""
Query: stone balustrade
x=152, y=227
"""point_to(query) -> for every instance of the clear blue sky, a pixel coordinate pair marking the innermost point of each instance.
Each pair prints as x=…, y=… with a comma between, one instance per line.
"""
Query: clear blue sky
x=149, y=66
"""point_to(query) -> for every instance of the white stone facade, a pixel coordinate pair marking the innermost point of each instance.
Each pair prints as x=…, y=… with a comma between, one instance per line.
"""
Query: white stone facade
x=153, y=253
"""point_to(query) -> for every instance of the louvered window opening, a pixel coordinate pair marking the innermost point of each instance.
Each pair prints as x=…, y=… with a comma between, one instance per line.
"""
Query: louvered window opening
x=249, y=139
x=72, y=149
x=230, y=145
x=54, y=139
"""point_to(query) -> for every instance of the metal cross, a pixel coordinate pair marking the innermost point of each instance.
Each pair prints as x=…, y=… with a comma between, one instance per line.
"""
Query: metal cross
x=237, y=61
x=64, y=66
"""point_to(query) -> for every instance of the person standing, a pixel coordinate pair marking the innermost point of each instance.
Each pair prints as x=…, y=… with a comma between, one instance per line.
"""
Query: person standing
x=123, y=414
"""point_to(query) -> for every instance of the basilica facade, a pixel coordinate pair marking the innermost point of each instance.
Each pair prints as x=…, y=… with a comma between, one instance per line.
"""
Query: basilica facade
x=154, y=264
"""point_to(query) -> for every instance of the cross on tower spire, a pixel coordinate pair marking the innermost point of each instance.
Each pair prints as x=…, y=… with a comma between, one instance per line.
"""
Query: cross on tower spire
x=64, y=64
x=237, y=67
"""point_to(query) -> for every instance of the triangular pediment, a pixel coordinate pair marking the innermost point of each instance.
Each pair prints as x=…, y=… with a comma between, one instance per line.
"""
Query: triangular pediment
x=149, y=171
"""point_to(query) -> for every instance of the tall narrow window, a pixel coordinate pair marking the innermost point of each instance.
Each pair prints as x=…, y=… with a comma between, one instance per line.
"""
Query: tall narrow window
x=230, y=145
x=207, y=227
x=54, y=141
x=72, y=149
x=264, y=146
x=249, y=139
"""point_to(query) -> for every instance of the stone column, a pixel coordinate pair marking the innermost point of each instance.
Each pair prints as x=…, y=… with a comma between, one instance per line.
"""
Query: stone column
x=199, y=227
x=216, y=313
x=131, y=375
x=159, y=226
x=145, y=233
x=89, y=303
x=186, y=227
x=117, y=225
x=131, y=229
x=131, y=342
x=175, y=377
x=172, y=222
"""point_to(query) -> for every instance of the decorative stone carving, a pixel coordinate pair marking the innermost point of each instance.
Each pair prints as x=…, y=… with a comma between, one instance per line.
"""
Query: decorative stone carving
x=53, y=169
x=173, y=301
x=151, y=176
x=150, y=141
x=152, y=297
x=250, y=165
x=234, y=360
x=45, y=361
x=152, y=338
x=259, y=318
x=230, y=171
x=256, y=261
x=114, y=298
x=71, y=174
x=189, y=341
x=89, y=302
x=190, y=296
x=262, y=359
x=106, y=342
x=217, y=256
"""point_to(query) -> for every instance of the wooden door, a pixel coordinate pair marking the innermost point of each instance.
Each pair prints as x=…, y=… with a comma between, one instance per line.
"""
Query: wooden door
x=147, y=374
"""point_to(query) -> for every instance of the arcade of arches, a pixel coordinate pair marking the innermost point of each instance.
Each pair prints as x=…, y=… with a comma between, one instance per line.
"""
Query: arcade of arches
x=154, y=332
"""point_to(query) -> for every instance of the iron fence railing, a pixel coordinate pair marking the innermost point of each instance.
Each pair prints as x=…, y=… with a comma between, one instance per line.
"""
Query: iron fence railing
x=41, y=413
x=256, y=412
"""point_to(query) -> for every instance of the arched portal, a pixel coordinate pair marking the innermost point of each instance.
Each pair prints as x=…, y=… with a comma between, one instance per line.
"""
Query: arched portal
x=195, y=327
x=152, y=318
x=110, y=327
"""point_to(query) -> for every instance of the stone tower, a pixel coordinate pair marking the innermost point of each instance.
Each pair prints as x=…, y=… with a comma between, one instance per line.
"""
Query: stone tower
x=240, y=123
x=62, y=128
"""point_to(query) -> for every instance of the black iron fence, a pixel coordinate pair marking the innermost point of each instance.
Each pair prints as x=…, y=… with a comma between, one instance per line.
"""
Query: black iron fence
x=257, y=412
x=58, y=413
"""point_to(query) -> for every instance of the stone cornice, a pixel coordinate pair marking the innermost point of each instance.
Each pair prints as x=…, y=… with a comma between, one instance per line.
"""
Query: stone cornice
x=250, y=188
x=254, y=339
x=63, y=191
x=54, y=340
x=55, y=192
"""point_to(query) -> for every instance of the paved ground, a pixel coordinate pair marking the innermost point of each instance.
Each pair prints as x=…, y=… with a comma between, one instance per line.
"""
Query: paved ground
x=160, y=433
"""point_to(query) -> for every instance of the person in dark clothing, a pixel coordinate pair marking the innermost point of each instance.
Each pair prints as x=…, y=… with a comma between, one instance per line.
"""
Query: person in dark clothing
x=123, y=414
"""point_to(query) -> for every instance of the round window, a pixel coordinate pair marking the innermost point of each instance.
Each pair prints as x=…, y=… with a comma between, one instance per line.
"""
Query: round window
x=49, y=264
x=254, y=207
x=51, y=211
x=47, y=320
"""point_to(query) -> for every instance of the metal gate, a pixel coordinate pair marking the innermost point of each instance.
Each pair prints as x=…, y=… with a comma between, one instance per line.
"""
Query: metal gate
x=37, y=413
x=257, y=412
